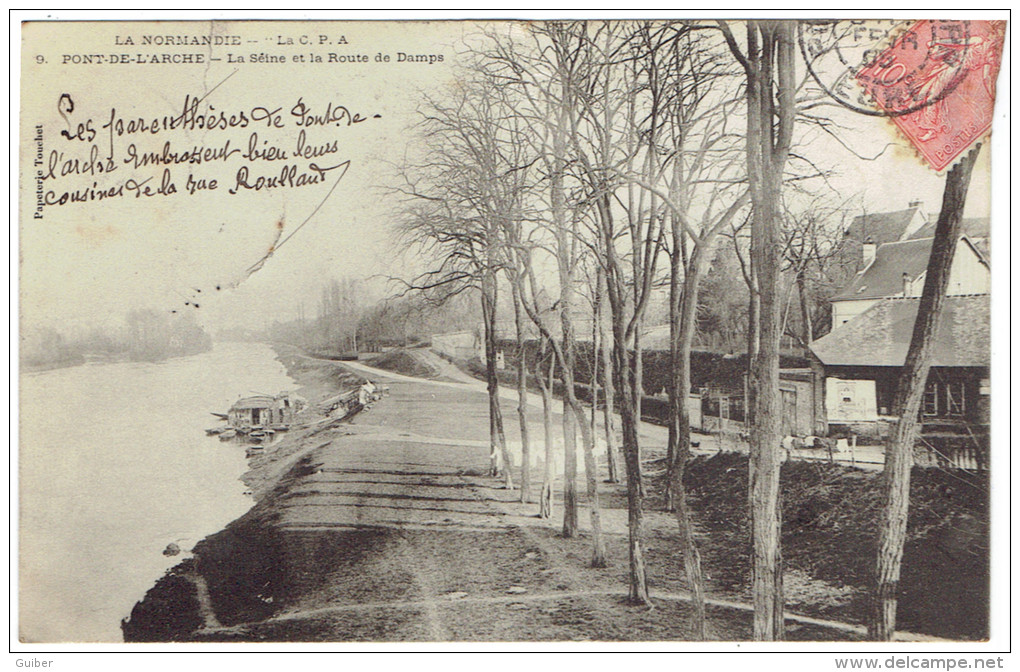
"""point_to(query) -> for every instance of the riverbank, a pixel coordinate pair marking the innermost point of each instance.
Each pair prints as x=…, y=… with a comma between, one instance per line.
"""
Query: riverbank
x=235, y=563
x=100, y=501
x=387, y=528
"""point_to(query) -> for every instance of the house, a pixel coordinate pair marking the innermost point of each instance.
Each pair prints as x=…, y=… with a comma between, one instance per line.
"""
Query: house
x=911, y=223
x=977, y=230
x=888, y=227
x=862, y=360
x=859, y=362
x=264, y=411
x=898, y=269
x=871, y=229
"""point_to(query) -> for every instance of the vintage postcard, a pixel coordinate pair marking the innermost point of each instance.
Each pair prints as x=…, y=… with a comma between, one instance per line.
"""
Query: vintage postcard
x=599, y=330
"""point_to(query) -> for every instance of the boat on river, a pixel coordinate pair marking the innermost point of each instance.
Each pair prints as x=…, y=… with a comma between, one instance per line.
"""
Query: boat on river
x=258, y=418
x=264, y=411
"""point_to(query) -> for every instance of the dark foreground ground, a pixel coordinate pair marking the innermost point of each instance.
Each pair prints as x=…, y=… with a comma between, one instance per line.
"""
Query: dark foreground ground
x=386, y=528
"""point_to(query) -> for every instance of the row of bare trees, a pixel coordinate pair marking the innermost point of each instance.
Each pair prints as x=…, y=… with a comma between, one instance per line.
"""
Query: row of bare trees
x=589, y=151
x=596, y=162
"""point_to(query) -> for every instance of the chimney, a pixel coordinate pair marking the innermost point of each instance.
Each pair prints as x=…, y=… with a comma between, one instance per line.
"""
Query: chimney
x=906, y=284
x=915, y=204
x=868, y=248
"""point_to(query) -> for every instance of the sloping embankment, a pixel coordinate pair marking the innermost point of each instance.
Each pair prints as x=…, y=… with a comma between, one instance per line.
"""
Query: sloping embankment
x=830, y=517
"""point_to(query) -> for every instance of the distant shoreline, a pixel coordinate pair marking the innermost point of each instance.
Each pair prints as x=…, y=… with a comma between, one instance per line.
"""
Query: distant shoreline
x=50, y=366
x=80, y=360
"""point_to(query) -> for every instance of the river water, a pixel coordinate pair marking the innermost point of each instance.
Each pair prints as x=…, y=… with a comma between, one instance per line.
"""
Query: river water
x=114, y=464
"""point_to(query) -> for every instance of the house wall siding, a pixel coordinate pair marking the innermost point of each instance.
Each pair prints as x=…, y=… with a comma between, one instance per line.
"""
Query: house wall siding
x=968, y=275
x=887, y=379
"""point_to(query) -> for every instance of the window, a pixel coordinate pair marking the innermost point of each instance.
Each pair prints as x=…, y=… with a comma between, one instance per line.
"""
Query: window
x=956, y=399
x=930, y=403
x=945, y=398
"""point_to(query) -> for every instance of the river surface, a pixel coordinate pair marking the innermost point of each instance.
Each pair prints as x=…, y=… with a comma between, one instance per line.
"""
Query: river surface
x=114, y=464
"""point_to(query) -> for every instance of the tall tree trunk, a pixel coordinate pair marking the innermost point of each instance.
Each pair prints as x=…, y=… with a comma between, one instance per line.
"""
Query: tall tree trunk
x=500, y=461
x=573, y=418
x=632, y=461
x=596, y=347
x=522, y=397
x=766, y=437
x=598, y=551
x=639, y=395
x=545, y=509
x=899, y=455
x=608, y=410
x=565, y=261
x=681, y=385
x=495, y=454
x=676, y=397
x=625, y=374
x=753, y=316
x=598, y=558
x=769, y=66
x=753, y=343
x=570, y=528
x=692, y=558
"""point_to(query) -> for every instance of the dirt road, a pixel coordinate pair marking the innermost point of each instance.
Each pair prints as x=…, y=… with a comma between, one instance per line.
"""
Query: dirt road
x=389, y=529
x=651, y=435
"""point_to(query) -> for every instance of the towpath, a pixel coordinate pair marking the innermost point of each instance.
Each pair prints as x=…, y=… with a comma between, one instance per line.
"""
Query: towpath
x=653, y=437
x=391, y=530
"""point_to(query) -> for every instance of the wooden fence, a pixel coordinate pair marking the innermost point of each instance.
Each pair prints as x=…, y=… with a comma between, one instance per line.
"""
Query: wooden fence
x=970, y=453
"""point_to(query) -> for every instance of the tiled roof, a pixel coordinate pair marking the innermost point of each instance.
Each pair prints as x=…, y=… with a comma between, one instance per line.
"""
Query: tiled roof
x=881, y=335
x=884, y=276
x=881, y=227
x=972, y=227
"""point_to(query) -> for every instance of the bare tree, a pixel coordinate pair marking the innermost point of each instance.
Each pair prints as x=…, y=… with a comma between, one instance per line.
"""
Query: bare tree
x=547, y=77
x=545, y=382
x=573, y=408
x=522, y=394
x=813, y=239
x=609, y=413
x=464, y=192
x=688, y=108
x=768, y=64
x=608, y=137
x=602, y=354
x=899, y=455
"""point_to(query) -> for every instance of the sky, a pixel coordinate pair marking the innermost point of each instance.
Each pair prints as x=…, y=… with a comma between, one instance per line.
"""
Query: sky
x=86, y=264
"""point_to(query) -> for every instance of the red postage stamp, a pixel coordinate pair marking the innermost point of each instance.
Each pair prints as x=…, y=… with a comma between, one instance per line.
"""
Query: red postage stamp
x=937, y=83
